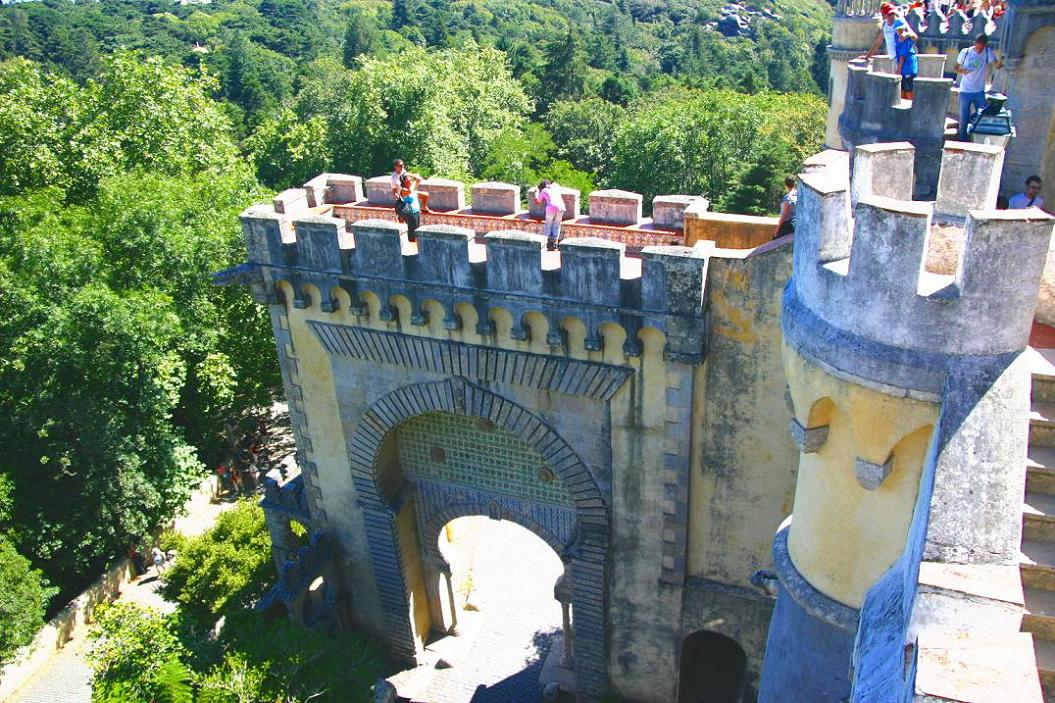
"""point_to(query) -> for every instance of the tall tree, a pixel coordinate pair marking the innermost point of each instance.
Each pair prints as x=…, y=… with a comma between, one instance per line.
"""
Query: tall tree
x=402, y=13
x=360, y=34
x=564, y=70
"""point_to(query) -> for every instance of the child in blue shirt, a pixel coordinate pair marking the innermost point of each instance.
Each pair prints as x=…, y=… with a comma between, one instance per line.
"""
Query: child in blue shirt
x=907, y=63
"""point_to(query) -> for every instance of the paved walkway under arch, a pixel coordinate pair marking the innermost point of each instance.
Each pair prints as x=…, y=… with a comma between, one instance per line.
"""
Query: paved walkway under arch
x=517, y=618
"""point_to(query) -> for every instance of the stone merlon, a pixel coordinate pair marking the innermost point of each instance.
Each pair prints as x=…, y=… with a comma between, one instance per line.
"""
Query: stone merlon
x=859, y=276
x=591, y=279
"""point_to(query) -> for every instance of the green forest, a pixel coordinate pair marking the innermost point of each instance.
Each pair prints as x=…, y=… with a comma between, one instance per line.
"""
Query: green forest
x=133, y=132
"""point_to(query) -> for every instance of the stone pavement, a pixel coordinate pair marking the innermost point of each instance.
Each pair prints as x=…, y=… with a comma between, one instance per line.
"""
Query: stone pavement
x=512, y=587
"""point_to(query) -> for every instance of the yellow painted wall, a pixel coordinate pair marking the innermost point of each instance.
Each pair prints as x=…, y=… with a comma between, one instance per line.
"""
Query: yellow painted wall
x=744, y=462
x=414, y=572
x=843, y=537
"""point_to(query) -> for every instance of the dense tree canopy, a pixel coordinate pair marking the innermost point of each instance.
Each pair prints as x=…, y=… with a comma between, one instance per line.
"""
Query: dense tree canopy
x=125, y=366
x=132, y=134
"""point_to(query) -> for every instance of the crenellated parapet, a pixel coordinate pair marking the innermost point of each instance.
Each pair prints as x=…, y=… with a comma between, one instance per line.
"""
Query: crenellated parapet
x=874, y=113
x=861, y=300
x=326, y=259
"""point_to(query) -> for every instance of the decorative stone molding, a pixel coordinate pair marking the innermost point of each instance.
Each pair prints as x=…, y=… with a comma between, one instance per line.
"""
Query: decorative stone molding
x=870, y=475
x=809, y=598
x=588, y=379
x=808, y=440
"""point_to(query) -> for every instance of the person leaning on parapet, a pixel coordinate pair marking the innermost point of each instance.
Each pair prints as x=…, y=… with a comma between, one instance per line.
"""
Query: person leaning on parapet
x=786, y=224
x=550, y=194
x=972, y=65
x=907, y=63
x=887, y=37
x=398, y=169
x=1030, y=198
x=411, y=212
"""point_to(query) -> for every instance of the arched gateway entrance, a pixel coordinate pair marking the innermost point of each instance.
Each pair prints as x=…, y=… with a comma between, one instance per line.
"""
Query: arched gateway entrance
x=426, y=454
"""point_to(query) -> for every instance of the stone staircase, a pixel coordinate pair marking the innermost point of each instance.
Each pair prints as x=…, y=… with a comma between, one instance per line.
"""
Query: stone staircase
x=1038, y=522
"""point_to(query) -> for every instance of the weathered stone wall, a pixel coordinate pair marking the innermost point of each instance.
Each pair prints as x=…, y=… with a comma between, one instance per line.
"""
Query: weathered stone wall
x=897, y=424
x=639, y=381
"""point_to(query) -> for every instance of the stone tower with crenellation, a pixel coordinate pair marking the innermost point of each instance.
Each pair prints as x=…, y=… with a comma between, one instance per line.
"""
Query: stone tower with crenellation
x=910, y=399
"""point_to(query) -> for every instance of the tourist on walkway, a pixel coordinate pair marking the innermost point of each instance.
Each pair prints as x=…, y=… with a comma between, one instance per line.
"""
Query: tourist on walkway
x=550, y=194
x=907, y=63
x=158, y=557
x=973, y=65
x=139, y=562
x=786, y=224
x=1029, y=198
x=411, y=212
x=398, y=171
x=887, y=37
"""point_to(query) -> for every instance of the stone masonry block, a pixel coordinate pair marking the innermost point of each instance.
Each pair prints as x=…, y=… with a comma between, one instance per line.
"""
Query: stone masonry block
x=445, y=195
x=496, y=198
x=291, y=202
x=668, y=211
x=571, y=197
x=379, y=191
x=342, y=188
x=615, y=207
x=590, y=269
x=970, y=178
x=883, y=169
x=871, y=475
x=514, y=261
x=808, y=440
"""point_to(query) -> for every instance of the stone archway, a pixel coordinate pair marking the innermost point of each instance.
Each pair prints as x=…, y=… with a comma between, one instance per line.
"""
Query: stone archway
x=384, y=499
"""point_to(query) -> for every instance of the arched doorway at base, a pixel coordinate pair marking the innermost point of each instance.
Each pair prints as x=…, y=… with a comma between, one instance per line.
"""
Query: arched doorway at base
x=713, y=669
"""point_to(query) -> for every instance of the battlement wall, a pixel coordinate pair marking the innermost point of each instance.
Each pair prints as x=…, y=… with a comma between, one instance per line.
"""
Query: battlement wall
x=590, y=279
x=861, y=246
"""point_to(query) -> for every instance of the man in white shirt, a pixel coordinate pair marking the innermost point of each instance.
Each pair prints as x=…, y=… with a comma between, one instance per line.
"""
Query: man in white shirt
x=972, y=65
x=1030, y=198
x=398, y=169
x=887, y=36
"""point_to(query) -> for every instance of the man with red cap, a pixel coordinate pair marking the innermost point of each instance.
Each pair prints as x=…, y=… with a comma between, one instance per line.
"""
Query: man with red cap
x=887, y=37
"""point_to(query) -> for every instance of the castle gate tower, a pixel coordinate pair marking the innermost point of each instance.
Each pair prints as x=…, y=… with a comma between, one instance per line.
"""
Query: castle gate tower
x=853, y=30
x=910, y=417
x=610, y=404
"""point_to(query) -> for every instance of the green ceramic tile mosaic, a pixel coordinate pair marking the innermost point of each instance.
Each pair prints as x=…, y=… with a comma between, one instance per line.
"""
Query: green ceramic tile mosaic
x=472, y=452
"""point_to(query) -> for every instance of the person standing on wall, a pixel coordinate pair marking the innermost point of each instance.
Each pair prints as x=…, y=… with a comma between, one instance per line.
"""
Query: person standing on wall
x=1030, y=197
x=786, y=224
x=411, y=211
x=550, y=194
x=398, y=169
x=972, y=66
x=887, y=37
x=907, y=63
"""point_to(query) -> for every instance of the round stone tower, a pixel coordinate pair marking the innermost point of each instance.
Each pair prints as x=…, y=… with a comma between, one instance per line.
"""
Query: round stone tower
x=855, y=26
x=904, y=409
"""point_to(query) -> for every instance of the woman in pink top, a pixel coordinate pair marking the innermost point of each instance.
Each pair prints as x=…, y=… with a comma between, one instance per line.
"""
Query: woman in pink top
x=550, y=194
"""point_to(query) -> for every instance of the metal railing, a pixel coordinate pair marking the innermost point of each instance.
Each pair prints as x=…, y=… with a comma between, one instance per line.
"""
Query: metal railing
x=857, y=8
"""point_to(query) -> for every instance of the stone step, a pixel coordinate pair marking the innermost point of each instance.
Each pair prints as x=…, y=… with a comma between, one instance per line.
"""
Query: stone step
x=1039, y=617
x=1043, y=389
x=975, y=666
x=1045, y=652
x=1037, y=564
x=1038, y=517
x=1040, y=470
x=1042, y=424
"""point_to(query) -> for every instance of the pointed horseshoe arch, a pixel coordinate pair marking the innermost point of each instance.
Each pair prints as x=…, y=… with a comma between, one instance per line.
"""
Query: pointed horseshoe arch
x=381, y=501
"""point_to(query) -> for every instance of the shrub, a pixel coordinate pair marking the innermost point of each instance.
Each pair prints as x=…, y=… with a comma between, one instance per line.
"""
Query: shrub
x=23, y=597
x=135, y=656
x=226, y=568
